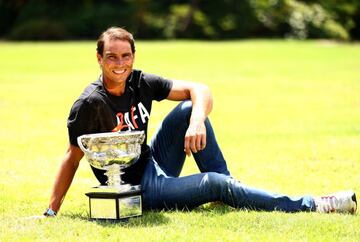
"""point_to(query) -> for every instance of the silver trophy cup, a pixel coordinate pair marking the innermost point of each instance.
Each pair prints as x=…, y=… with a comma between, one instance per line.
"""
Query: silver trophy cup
x=112, y=152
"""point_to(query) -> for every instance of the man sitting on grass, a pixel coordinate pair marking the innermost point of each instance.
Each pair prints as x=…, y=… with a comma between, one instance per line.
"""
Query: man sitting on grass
x=121, y=100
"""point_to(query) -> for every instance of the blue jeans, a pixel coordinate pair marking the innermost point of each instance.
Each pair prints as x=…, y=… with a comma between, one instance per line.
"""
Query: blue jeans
x=164, y=189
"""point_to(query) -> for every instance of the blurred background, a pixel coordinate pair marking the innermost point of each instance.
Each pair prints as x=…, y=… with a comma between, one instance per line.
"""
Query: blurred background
x=181, y=19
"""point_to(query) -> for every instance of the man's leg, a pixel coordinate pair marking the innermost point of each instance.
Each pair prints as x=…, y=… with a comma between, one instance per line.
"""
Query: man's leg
x=167, y=144
x=164, y=192
x=163, y=189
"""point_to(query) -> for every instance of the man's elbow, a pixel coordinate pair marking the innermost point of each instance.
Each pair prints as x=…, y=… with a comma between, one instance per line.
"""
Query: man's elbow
x=204, y=89
x=73, y=156
x=206, y=92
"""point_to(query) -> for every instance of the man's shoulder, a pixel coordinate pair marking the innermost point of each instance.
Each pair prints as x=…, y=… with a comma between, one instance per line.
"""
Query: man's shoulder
x=93, y=92
x=145, y=79
x=153, y=86
x=144, y=76
x=140, y=79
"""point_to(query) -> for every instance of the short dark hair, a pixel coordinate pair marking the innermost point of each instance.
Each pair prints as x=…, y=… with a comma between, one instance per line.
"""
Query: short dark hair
x=115, y=33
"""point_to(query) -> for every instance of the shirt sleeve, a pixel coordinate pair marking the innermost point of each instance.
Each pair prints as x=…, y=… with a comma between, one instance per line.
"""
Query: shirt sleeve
x=81, y=121
x=160, y=86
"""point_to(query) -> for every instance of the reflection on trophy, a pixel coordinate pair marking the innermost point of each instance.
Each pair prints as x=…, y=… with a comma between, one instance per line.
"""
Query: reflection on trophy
x=113, y=152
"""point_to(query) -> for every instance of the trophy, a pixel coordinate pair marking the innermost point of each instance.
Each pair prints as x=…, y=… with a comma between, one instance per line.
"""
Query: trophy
x=112, y=152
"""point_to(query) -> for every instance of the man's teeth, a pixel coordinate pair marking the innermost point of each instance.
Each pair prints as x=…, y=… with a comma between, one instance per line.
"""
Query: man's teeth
x=119, y=72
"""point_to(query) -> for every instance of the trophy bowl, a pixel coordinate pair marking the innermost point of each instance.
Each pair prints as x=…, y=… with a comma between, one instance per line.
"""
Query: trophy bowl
x=112, y=152
x=105, y=149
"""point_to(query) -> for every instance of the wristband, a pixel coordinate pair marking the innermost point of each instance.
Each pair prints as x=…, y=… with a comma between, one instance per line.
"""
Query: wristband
x=49, y=213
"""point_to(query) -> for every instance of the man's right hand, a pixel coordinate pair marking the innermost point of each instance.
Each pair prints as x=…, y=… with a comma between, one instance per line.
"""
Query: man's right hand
x=49, y=213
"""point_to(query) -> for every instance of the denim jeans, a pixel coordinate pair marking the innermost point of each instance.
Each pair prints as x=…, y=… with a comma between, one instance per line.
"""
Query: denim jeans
x=164, y=189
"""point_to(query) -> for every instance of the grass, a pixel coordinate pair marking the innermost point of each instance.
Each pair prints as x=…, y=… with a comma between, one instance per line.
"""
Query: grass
x=286, y=114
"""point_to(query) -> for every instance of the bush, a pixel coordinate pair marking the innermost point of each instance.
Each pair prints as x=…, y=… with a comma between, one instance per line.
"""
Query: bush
x=38, y=29
x=299, y=19
x=312, y=20
x=148, y=19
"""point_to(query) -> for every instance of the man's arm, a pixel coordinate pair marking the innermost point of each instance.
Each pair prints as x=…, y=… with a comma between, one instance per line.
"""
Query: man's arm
x=200, y=95
x=65, y=176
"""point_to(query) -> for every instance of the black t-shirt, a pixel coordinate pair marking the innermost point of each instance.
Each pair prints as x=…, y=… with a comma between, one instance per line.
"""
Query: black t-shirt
x=97, y=111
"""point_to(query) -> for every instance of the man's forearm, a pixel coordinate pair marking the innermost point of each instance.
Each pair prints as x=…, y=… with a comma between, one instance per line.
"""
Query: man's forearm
x=64, y=178
x=201, y=98
x=202, y=102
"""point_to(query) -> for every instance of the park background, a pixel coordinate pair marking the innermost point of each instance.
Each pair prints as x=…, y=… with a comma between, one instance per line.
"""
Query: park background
x=286, y=84
x=170, y=19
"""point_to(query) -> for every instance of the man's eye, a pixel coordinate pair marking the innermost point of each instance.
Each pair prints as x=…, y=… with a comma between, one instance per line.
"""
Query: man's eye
x=126, y=57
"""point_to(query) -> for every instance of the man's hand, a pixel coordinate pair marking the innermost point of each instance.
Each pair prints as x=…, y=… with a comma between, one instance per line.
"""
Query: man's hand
x=195, y=137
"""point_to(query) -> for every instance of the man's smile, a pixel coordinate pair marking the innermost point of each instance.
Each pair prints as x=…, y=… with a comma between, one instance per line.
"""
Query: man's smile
x=118, y=72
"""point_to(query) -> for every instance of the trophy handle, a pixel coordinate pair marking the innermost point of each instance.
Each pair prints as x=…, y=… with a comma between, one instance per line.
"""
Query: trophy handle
x=81, y=145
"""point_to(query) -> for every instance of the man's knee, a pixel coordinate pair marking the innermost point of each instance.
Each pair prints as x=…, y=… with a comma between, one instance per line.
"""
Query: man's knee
x=186, y=108
x=214, y=179
x=181, y=113
x=186, y=105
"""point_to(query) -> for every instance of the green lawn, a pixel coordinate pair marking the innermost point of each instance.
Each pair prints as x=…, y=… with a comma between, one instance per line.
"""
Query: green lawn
x=286, y=114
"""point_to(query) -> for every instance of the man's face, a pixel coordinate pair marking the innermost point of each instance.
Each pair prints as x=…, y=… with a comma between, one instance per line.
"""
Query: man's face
x=117, y=61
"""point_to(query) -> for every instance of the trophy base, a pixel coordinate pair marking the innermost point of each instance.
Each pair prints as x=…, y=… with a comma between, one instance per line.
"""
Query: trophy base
x=115, y=203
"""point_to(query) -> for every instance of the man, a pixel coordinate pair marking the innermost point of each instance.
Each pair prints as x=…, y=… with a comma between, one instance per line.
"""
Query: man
x=121, y=100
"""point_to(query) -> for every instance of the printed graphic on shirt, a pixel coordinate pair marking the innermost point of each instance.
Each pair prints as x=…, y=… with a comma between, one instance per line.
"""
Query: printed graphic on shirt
x=131, y=119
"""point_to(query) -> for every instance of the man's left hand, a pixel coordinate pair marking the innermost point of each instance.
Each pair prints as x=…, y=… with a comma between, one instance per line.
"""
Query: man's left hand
x=195, y=137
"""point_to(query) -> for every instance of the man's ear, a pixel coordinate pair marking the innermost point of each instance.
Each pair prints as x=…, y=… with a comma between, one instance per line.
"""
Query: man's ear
x=99, y=58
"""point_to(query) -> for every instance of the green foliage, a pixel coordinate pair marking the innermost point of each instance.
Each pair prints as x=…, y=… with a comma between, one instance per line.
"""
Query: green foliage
x=39, y=29
x=299, y=19
x=215, y=19
x=313, y=20
x=94, y=19
x=231, y=18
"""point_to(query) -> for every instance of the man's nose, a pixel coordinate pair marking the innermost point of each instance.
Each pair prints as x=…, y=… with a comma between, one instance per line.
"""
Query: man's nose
x=120, y=61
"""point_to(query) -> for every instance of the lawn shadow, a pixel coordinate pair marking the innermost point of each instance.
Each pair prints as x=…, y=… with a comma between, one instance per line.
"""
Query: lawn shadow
x=152, y=217
x=148, y=219
x=214, y=208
